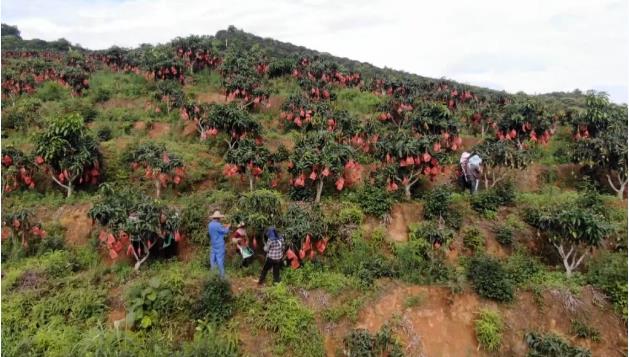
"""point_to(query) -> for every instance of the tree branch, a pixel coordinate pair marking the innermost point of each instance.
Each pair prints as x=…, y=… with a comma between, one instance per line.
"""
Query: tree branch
x=58, y=182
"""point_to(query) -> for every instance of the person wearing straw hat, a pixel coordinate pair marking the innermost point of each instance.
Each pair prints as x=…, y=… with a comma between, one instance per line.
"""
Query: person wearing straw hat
x=217, y=234
x=240, y=239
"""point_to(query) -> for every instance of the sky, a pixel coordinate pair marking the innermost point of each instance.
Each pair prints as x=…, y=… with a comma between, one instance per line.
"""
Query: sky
x=533, y=46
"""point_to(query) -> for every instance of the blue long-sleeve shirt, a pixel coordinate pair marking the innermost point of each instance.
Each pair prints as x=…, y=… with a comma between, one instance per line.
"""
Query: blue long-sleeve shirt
x=217, y=234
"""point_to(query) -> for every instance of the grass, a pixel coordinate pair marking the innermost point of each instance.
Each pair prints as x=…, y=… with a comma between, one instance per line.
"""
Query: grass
x=414, y=300
x=488, y=328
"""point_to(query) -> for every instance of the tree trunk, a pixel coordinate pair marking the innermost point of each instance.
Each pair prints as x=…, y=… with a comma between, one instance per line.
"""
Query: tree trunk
x=482, y=131
x=319, y=190
x=69, y=190
x=158, y=188
x=620, y=190
x=250, y=182
x=571, y=259
x=407, y=191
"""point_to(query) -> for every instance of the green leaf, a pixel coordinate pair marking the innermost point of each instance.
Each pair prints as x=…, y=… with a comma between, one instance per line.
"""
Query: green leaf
x=146, y=322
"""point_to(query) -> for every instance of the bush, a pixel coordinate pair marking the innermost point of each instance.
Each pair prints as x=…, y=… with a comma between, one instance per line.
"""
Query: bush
x=488, y=327
x=608, y=272
x=52, y=91
x=490, y=279
x=360, y=343
x=364, y=262
x=504, y=235
x=22, y=115
x=294, y=325
x=438, y=204
x=489, y=201
x=583, y=330
x=374, y=200
x=417, y=262
x=351, y=215
x=551, y=345
x=194, y=216
x=216, y=303
x=430, y=232
x=104, y=133
x=316, y=276
x=473, y=240
x=522, y=267
x=146, y=303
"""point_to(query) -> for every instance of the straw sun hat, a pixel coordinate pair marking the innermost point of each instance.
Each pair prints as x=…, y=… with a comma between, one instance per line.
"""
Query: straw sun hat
x=217, y=214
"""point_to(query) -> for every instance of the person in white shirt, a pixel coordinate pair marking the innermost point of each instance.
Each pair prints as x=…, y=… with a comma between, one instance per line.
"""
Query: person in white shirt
x=471, y=166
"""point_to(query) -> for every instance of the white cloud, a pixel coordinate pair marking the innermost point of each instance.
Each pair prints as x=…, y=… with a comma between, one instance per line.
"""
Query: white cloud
x=533, y=46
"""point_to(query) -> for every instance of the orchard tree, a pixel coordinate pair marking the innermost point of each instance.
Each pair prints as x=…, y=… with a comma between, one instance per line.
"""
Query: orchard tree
x=21, y=223
x=159, y=165
x=305, y=232
x=170, y=93
x=525, y=120
x=600, y=134
x=405, y=158
x=319, y=158
x=69, y=152
x=571, y=230
x=136, y=222
x=499, y=157
x=243, y=76
x=230, y=119
x=248, y=159
x=258, y=209
x=17, y=170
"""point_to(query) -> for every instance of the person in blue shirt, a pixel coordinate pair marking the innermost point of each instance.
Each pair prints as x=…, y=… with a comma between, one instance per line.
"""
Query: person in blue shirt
x=217, y=233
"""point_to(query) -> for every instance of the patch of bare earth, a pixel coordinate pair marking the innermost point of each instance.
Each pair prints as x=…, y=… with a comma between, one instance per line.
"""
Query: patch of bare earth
x=126, y=103
x=403, y=214
x=442, y=324
x=116, y=314
x=76, y=222
x=139, y=125
x=212, y=97
x=32, y=280
x=158, y=130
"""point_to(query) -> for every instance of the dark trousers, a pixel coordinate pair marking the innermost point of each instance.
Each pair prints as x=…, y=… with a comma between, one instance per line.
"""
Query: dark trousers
x=268, y=264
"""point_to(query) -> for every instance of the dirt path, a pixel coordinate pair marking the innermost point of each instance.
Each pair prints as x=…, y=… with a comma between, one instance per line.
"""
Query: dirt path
x=158, y=130
x=402, y=215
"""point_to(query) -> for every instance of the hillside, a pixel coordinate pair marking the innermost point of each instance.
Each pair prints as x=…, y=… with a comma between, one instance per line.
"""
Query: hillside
x=112, y=162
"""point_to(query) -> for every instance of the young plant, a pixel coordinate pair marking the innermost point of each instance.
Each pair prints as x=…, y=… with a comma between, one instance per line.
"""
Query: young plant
x=488, y=327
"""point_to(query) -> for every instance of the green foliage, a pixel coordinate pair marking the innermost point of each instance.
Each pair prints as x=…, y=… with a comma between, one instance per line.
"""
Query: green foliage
x=473, y=240
x=361, y=343
x=488, y=327
x=208, y=343
x=52, y=91
x=104, y=133
x=293, y=325
x=300, y=220
x=316, y=276
x=490, y=279
x=430, y=232
x=504, y=235
x=23, y=114
x=216, y=302
x=147, y=303
x=374, y=200
x=417, y=262
x=522, y=267
x=608, y=272
x=364, y=262
x=258, y=210
x=437, y=204
x=551, y=345
x=583, y=330
x=414, y=300
x=501, y=195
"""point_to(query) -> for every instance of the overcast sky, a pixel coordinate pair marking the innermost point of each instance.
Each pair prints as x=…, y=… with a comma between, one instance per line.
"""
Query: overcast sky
x=533, y=46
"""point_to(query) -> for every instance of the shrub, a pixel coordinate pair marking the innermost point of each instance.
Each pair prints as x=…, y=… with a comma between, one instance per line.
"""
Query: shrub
x=52, y=91
x=364, y=262
x=430, y=232
x=551, y=345
x=504, y=235
x=522, y=267
x=216, y=303
x=473, y=240
x=501, y=195
x=417, y=262
x=360, y=343
x=583, y=330
x=490, y=279
x=374, y=200
x=295, y=326
x=438, y=204
x=488, y=327
x=608, y=272
x=351, y=215
x=104, y=133
x=316, y=276
x=22, y=115
x=147, y=302
x=194, y=216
